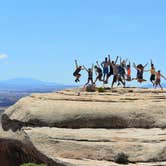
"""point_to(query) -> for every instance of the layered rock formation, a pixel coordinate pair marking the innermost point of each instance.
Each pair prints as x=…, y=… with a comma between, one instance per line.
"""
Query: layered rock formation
x=88, y=129
x=122, y=109
x=101, y=144
x=17, y=149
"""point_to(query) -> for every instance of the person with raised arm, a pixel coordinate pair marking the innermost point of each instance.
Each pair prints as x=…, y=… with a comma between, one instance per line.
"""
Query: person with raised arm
x=98, y=72
x=115, y=71
x=90, y=75
x=158, y=79
x=152, y=73
x=121, y=72
x=140, y=71
x=105, y=65
x=76, y=73
x=110, y=73
x=128, y=73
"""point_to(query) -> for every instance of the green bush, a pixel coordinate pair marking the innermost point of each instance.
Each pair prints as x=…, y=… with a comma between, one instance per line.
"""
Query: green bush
x=100, y=89
x=121, y=158
x=32, y=164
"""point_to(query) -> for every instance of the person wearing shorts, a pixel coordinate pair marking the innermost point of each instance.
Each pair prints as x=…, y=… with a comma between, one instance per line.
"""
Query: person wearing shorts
x=105, y=65
x=99, y=73
x=128, y=72
x=76, y=73
x=158, y=79
x=90, y=75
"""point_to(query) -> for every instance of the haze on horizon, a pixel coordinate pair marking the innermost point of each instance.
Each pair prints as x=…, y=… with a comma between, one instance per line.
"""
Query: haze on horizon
x=41, y=39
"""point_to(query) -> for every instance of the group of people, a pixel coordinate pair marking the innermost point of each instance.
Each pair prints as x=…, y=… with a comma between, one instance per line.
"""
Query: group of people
x=121, y=72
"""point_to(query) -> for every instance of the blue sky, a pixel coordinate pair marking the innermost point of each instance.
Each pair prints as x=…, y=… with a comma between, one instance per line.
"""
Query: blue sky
x=41, y=38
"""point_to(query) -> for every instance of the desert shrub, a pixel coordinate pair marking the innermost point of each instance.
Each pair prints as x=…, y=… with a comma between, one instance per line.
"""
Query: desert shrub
x=91, y=88
x=122, y=158
x=100, y=89
x=32, y=164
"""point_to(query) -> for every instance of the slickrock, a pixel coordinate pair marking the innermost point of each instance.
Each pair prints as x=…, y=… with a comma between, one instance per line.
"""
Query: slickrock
x=141, y=145
x=92, y=129
x=123, y=108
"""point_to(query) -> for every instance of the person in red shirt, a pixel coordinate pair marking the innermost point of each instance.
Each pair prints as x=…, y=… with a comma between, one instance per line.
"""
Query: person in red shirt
x=128, y=68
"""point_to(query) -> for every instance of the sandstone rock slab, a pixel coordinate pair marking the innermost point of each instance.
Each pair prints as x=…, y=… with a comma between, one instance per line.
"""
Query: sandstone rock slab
x=141, y=145
x=129, y=108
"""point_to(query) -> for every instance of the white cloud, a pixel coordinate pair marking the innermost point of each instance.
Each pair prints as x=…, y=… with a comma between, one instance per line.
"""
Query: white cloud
x=3, y=56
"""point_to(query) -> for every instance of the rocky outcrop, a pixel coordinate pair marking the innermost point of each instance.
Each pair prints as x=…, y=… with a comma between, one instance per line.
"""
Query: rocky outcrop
x=126, y=108
x=86, y=129
x=141, y=145
x=16, y=149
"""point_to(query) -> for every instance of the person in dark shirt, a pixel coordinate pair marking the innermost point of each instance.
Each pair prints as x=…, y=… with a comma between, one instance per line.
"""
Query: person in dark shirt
x=140, y=71
x=76, y=73
x=111, y=68
x=98, y=71
x=90, y=75
x=105, y=65
x=152, y=73
x=110, y=73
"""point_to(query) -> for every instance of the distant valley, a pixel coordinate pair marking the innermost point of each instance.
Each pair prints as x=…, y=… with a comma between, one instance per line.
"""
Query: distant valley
x=29, y=84
x=14, y=89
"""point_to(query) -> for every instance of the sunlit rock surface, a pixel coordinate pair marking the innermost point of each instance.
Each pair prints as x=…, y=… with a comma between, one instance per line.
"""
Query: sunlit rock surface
x=123, y=108
x=90, y=129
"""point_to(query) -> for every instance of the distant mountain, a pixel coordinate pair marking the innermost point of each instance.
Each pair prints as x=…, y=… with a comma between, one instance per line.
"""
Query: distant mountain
x=30, y=84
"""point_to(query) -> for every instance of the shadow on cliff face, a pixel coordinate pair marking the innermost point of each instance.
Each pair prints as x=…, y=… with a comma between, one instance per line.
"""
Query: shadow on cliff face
x=9, y=124
x=15, y=153
x=113, y=121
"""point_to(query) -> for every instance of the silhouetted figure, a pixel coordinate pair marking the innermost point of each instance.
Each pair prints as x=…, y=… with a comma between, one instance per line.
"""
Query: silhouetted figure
x=140, y=71
x=105, y=65
x=77, y=72
x=98, y=71
x=90, y=75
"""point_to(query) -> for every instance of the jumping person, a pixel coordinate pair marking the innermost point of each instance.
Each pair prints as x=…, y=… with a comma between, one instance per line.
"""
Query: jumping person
x=90, y=75
x=153, y=73
x=98, y=71
x=110, y=73
x=140, y=71
x=158, y=79
x=128, y=74
x=77, y=71
x=105, y=65
x=152, y=77
x=115, y=72
x=121, y=72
